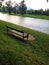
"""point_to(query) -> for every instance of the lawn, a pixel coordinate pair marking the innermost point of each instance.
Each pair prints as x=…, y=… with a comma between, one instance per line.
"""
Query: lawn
x=14, y=51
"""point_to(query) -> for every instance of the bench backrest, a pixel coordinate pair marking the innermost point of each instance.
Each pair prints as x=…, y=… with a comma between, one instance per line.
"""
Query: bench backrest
x=14, y=29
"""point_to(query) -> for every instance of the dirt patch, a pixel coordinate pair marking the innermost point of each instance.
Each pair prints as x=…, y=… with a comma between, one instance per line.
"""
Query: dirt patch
x=30, y=37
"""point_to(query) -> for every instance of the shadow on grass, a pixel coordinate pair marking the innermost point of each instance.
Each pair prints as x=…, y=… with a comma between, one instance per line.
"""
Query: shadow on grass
x=17, y=38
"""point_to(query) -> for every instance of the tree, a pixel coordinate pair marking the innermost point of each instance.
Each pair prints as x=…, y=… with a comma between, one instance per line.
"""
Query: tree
x=47, y=12
x=14, y=7
x=22, y=8
x=40, y=12
x=1, y=1
x=31, y=11
x=9, y=6
x=47, y=0
x=3, y=8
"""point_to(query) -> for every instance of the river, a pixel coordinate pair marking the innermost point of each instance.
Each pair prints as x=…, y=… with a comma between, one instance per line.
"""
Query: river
x=32, y=23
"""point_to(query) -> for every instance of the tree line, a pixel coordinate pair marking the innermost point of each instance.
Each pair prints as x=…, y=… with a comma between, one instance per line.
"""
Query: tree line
x=22, y=9
x=38, y=12
x=17, y=8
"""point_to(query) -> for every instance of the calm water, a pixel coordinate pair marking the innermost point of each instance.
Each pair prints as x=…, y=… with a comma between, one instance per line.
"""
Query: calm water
x=32, y=23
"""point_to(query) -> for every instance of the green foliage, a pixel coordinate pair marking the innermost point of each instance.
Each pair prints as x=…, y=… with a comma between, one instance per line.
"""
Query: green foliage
x=47, y=12
x=22, y=8
x=9, y=6
x=14, y=51
x=4, y=8
x=38, y=12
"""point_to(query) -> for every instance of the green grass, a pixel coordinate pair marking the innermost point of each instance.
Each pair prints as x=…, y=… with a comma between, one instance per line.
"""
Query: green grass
x=38, y=16
x=14, y=51
x=34, y=16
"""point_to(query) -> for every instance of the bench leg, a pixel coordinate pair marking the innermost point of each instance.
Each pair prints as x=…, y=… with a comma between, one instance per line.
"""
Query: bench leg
x=27, y=36
x=23, y=36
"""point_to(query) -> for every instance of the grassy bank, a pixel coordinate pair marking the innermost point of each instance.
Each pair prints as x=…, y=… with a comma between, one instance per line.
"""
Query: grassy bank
x=14, y=51
x=34, y=16
x=38, y=16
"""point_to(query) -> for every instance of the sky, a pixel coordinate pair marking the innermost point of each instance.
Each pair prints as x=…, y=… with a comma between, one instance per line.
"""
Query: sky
x=34, y=4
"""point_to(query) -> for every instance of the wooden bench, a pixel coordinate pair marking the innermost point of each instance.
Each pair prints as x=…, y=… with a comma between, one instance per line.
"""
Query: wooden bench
x=17, y=33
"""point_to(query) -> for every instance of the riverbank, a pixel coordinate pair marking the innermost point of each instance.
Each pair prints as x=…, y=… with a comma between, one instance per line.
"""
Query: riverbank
x=14, y=51
x=38, y=16
x=33, y=16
